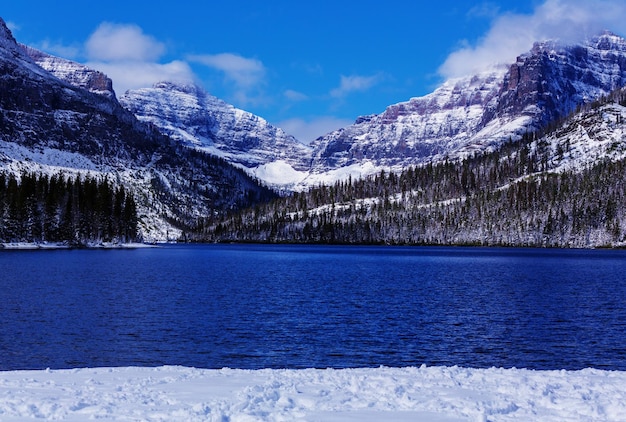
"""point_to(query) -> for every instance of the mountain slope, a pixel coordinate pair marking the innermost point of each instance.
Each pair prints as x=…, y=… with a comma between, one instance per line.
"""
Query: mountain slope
x=196, y=119
x=48, y=125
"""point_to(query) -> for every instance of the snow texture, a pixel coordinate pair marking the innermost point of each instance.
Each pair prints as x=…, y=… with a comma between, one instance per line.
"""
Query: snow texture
x=365, y=394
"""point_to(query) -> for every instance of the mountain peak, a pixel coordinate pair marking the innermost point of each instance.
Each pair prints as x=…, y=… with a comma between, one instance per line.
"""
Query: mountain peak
x=187, y=113
x=184, y=87
x=604, y=40
x=5, y=32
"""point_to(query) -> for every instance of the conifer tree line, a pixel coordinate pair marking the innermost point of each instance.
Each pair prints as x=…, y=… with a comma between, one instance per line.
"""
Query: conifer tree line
x=509, y=197
x=76, y=210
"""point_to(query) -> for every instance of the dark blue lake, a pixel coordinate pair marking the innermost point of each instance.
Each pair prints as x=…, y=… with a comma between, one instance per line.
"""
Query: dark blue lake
x=258, y=306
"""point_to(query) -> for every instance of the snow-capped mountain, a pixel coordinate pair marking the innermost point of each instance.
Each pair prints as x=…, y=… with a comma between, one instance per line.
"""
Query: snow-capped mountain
x=70, y=121
x=190, y=115
x=59, y=115
x=478, y=112
x=409, y=132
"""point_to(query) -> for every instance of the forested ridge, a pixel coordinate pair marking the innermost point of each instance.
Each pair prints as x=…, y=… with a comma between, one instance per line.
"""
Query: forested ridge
x=513, y=196
x=76, y=210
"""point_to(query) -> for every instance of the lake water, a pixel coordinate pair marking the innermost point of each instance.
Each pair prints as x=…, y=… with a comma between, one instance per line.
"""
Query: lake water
x=259, y=306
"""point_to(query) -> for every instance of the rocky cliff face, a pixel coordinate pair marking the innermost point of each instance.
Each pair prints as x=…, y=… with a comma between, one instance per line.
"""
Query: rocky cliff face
x=193, y=117
x=481, y=111
x=550, y=81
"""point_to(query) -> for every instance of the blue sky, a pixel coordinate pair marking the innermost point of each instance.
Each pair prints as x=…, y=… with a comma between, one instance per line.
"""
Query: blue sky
x=308, y=67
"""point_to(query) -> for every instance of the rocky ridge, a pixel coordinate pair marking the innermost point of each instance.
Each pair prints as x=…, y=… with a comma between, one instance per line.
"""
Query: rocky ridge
x=73, y=73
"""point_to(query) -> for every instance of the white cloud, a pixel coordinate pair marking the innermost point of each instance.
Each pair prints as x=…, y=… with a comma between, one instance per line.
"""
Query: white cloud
x=354, y=83
x=513, y=34
x=131, y=58
x=309, y=130
x=122, y=42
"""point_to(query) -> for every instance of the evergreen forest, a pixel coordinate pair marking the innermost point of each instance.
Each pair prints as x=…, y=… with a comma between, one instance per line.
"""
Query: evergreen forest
x=76, y=210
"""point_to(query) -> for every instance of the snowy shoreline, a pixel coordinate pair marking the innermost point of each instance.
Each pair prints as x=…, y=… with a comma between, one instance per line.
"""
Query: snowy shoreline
x=27, y=246
x=361, y=394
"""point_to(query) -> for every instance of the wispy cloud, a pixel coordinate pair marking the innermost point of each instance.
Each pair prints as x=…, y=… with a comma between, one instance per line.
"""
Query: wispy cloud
x=513, y=34
x=12, y=26
x=307, y=131
x=295, y=96
x=244, y=72
x=484, y=10
x=60, y=49
x=354, y=83
x=131, y=58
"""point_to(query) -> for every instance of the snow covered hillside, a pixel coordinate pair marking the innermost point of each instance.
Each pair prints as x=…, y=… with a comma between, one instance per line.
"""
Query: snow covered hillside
x=368, y=394
x=193, y=117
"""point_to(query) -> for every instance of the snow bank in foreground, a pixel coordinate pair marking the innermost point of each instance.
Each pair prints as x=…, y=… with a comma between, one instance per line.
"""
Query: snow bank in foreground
x=398, y=394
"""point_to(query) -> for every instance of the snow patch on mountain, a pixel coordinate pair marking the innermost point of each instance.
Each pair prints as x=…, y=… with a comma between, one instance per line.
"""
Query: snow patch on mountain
x=586, y=139
x=279, y=173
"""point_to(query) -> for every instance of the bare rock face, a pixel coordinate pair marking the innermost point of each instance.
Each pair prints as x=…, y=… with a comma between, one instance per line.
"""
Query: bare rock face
x=7, y=41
